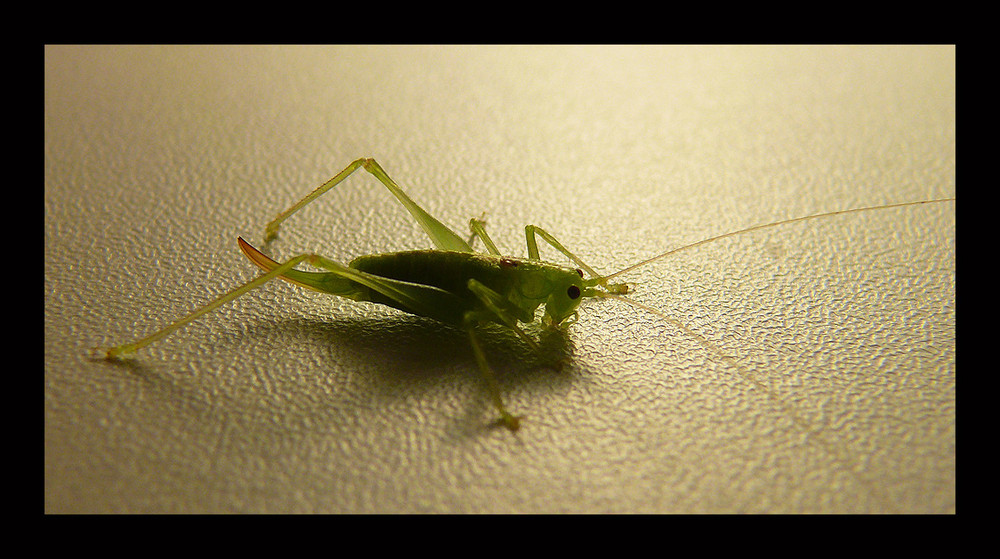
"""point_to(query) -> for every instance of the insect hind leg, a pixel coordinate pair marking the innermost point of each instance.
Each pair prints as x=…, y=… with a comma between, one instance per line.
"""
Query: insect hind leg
x=442, y=236
x=115, y=352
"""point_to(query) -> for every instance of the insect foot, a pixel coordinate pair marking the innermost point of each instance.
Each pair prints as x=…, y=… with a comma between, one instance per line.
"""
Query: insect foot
x=270, y=232
x=511, y=422
x=619, y=288
x=105, y=353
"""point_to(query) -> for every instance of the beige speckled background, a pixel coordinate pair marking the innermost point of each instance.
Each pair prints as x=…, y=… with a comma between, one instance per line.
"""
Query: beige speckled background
x=842, y=395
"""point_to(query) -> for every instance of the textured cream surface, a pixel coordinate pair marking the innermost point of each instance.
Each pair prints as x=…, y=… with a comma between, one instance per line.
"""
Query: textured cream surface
x=830, y=388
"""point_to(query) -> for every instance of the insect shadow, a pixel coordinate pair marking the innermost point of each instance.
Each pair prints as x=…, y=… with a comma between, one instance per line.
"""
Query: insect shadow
x=403, y=354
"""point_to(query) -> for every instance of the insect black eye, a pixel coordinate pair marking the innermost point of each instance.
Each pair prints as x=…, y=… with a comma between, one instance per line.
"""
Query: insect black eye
x=573, y=292
x=579, y=272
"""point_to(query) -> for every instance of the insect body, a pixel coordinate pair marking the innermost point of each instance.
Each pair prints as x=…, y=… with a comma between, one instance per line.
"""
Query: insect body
x=445, y=285
x=452, y=284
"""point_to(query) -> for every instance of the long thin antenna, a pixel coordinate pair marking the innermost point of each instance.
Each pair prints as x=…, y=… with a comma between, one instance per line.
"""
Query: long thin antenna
x=769, y=225
x=844, y=460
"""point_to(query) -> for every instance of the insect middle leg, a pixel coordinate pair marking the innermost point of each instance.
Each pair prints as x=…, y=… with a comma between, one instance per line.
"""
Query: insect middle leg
x=478, y=228
x=495, y=304
x=433, y=302
x=495, y=310
x=512, y=422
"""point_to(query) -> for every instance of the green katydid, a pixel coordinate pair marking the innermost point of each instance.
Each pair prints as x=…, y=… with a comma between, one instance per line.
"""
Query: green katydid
x=453, y=283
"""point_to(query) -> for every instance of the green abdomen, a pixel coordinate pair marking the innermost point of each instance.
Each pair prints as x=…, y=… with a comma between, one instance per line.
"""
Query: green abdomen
x=446, y=270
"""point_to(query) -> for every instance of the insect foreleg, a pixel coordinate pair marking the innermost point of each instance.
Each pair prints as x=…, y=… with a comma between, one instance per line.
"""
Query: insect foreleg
x=442, y=237
x=531, y=230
